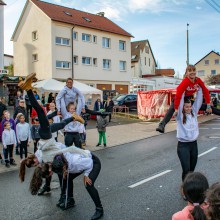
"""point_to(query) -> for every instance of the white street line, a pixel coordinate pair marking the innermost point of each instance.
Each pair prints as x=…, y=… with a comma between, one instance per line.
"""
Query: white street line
x=150, y=178
x=215, y=128
x=204, y=128
x=214, y=137
x=206, y=152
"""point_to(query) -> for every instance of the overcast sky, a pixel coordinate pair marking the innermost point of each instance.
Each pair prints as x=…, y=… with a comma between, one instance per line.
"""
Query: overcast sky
x=162, y=22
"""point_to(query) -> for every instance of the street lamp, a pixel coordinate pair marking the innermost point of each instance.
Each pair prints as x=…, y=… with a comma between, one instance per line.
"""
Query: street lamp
x=187, y=45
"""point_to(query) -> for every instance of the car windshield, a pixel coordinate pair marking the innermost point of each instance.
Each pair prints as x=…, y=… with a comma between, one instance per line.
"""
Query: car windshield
x=114, y=98
x=121, y=97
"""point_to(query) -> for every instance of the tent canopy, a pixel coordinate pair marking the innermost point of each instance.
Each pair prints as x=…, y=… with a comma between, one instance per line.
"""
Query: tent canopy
x=52, y=85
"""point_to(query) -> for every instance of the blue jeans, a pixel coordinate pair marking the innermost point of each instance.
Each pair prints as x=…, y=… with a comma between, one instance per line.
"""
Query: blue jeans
x=188, y=155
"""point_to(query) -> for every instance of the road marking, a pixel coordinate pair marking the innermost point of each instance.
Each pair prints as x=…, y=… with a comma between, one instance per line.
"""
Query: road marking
x=214, y=137
x=203, y=128
x=150, y=178
x=215, y=128
x=206, y=152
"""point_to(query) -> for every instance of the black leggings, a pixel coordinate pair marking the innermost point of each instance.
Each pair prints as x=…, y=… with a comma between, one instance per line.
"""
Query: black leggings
x=93, y=192
x=188, y=155
x=171, y=110
x=46, y=130
x=23, y=147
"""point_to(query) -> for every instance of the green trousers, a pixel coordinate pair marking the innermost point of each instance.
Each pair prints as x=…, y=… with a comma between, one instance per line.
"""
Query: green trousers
x=102, y=135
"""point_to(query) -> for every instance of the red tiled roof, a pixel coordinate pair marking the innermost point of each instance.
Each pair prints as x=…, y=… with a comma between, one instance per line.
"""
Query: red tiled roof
x=75, y=17
x=2, y=3
x=165, y=72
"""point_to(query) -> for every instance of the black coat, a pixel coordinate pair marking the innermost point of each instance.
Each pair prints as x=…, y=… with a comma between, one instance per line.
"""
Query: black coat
x=109, y=107
x=2, y=109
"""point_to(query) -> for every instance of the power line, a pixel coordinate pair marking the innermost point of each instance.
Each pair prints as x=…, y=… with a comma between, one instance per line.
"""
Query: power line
x=213, y=6
x=215, y=3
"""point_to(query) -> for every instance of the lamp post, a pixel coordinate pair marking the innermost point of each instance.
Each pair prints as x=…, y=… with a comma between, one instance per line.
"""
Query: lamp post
x=187, y=46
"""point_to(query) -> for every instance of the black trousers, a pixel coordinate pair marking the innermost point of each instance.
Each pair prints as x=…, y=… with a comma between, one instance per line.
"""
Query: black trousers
x=171, y=110
x=8, y=151
x=35, y=144
x=72, y=137
x=93, y=192
x=188, y=155
x=23, y=147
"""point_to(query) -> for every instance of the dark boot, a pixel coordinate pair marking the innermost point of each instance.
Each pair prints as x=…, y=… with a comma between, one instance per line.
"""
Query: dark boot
x=44, y=189
x=66, y=205
x=12, y=162
x=98, y=213
x=7, y=164
x=61, y=200
x=98, y=145
x=105, y=145
x=161, y=128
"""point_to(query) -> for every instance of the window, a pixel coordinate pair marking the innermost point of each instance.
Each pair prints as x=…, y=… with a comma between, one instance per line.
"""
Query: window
x=62, y=41
x=75, y=35
x=62, y=64
x=86, y=19
x=34, y=35
x=147, y=49
x=206, y=62
x=34, y=57
x=106, y=64
x=75, y=59
x=213, y=72
x=86, y=37
x=68, y=13
x=201, y=73
x=217, y=61
x=94, y=61
x=122, y=65
x=122, y=45
x=86, y=60
x=94, y=39
x=106, y=42
x=133, y=57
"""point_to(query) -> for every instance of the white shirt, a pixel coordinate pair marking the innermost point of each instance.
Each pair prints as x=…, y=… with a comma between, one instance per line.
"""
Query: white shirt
x=23, y=132
x=8, y=137
x=79, y=163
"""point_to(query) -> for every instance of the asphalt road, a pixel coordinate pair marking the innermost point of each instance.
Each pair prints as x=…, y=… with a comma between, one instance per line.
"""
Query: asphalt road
x=122, y=166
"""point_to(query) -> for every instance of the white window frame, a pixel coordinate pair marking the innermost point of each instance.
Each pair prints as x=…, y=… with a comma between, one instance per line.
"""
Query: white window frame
x=121, y=42
x=62, y=41
x=106, y=42
x=86, y=60
x=62, y=66
x=122, y=65
x=34, y=35
x=75, y=59
x=34, y=57
x=94, y=39
x=84, y=37
x=75, y=35
x=201, y=72
x=106, y=64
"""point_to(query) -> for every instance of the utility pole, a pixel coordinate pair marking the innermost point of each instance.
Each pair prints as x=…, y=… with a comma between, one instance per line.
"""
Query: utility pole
x=187, y=45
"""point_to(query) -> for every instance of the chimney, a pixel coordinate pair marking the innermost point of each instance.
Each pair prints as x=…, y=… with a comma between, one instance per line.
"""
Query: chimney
x=102, y=14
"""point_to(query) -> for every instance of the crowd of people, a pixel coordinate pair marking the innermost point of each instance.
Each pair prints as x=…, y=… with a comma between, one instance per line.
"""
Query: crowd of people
x=71, y=159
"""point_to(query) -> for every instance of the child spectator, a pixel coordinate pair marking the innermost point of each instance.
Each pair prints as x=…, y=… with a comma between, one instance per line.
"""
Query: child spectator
x=101, y=124
x=23, y=135
x=213, y=199
x=17, y=152
x=194, y=188
x=35, y=133
x=9, y=142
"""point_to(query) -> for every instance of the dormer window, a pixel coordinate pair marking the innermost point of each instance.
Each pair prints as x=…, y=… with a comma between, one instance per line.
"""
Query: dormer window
x=67, y=13
x=86, y=19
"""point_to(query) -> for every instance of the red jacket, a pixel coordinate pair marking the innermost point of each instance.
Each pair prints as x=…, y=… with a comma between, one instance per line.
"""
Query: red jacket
x=190, y=88
x=34, y=114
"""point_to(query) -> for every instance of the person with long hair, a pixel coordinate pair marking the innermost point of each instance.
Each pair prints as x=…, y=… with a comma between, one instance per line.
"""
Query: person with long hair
x=194, y=188
x=213, y=200
x=47, y=145
x=68, y=167
x=189, y=85
x=188, y=132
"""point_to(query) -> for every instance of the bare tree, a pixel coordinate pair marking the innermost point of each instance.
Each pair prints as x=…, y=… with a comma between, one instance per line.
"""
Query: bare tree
x=213, y=79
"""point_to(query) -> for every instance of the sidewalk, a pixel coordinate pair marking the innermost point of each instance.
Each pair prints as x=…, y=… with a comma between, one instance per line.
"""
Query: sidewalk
x=120, y=132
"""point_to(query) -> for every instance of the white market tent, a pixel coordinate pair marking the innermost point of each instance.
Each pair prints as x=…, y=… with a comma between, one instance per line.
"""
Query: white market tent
x=51, y=85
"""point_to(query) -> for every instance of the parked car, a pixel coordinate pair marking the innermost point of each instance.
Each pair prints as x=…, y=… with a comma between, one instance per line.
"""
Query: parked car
x=129, y=100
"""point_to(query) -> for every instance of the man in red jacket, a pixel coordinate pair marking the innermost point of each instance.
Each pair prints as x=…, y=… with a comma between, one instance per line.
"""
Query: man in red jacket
x=190, y=85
